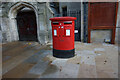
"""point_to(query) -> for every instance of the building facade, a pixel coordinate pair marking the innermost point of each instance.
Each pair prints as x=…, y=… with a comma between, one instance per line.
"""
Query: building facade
x=16, y=27
x=11, y=15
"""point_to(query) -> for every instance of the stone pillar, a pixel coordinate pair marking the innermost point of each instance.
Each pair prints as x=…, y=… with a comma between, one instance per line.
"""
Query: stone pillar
x=85, y=21
x=42, y=31
x=117, y=36
x=49, y=14
x=82, y=25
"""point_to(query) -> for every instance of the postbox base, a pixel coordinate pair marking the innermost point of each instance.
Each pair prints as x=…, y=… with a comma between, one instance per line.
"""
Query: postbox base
x=63, y=53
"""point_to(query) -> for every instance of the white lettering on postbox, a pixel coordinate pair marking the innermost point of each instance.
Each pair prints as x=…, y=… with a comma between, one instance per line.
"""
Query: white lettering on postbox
x=67, y=32
x=55, y=32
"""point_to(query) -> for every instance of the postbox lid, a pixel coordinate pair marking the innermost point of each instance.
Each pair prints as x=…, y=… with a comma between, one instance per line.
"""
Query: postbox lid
x=63, y=18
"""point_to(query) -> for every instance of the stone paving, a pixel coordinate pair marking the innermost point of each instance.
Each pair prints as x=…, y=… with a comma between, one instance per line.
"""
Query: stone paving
x=31, y=60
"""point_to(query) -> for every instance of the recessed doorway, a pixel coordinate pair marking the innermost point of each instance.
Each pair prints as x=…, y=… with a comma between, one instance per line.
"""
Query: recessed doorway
x=27, y=26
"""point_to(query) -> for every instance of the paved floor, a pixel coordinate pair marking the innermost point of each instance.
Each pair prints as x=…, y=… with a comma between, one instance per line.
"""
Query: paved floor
x=31, y=60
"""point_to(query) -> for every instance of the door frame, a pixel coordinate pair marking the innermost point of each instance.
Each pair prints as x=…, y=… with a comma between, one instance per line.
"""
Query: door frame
x=14, y=35
x=108, y=27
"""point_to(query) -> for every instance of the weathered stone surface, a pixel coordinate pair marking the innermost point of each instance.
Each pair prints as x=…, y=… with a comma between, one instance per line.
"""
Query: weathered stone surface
x=31, y=60
x=9, y=25
x=100, y=35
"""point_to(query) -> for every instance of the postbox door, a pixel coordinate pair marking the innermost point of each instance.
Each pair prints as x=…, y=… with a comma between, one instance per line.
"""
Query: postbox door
x=55, y=29
x=68, y=29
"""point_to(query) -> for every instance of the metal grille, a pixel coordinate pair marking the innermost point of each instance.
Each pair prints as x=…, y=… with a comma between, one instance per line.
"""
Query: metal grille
x=76, y=14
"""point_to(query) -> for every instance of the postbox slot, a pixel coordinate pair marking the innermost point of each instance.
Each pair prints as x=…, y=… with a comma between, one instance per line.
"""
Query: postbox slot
x=55, y=23
x=68, y=23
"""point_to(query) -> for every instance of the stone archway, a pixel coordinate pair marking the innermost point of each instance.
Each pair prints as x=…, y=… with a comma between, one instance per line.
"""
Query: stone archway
x=13, y=22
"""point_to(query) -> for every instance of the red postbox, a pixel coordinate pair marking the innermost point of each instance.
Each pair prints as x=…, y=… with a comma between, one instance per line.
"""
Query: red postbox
x=63, y=36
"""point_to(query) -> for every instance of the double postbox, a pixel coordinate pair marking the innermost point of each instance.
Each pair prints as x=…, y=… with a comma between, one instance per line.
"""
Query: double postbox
x=63, y=36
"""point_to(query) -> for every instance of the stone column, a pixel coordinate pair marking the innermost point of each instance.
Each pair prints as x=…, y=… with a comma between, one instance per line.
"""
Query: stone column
x=42, y=31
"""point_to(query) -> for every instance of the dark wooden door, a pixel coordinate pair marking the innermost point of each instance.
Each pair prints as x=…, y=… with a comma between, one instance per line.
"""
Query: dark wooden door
x=27, y=26
x=102, y=15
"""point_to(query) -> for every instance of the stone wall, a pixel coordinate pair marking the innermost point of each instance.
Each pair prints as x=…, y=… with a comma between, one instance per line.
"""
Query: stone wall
x=9, y=30
x=71, y=6
x=117, y=37
x=99, y=36
x=0, y=23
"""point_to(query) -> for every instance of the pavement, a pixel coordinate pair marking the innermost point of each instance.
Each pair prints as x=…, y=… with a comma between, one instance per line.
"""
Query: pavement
x=32, y=60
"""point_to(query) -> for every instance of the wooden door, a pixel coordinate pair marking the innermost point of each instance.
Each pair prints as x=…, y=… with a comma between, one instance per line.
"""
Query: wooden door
x=27, y=27
x=102, y=15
